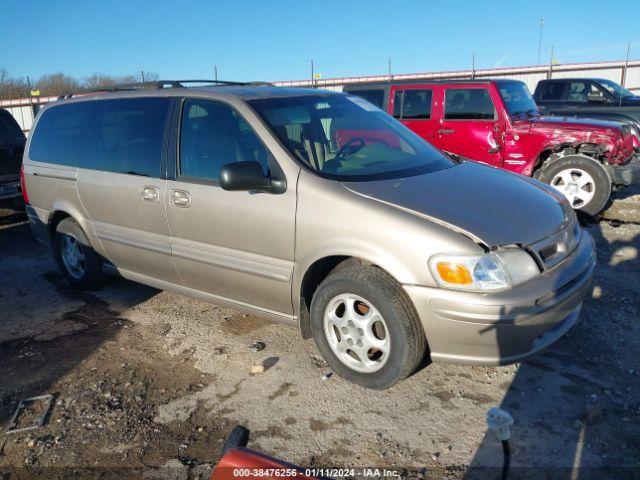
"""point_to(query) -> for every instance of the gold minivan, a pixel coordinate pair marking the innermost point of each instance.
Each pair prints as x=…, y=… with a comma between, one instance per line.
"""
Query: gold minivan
x=311, y=208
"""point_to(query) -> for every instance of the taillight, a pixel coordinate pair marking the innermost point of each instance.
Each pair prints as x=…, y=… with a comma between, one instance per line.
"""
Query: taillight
x=23, y=186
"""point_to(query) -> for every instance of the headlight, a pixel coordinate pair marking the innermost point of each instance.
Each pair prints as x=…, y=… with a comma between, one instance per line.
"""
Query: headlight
x=489, y=272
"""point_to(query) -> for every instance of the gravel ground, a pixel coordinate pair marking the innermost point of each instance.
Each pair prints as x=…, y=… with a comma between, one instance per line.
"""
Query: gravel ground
x=150, y=382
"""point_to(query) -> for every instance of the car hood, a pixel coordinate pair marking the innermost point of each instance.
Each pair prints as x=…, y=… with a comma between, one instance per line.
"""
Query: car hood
x=572, y=123
x=488, y=204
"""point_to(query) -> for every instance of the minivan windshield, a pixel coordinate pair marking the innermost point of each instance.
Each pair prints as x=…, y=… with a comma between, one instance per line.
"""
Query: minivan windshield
x=517, y=98
x=347, y=138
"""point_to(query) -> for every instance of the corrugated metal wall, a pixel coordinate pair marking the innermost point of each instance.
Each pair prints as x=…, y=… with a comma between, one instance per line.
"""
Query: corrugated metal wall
x=530, y=75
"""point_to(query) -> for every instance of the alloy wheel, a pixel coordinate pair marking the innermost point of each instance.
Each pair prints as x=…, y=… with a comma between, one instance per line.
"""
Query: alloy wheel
x=357, y=333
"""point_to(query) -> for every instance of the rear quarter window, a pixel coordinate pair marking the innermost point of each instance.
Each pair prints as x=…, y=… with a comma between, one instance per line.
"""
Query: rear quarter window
x=550, y=91
x=59, y=135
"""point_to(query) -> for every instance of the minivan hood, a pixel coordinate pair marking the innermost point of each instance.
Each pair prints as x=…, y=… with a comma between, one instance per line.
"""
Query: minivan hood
x=491, y=205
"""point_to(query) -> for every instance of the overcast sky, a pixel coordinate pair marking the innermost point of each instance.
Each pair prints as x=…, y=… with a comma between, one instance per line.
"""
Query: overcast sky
x=275, y=40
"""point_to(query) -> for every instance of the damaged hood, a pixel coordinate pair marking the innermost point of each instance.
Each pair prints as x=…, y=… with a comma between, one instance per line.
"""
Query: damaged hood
x=491, y=205
x=572, y=124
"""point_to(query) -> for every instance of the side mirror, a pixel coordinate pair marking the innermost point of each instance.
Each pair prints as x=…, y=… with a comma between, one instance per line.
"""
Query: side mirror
x=248, y=176
x=597, y=98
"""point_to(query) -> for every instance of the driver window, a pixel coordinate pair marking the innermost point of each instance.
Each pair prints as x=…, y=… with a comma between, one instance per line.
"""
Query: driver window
x=212, y=135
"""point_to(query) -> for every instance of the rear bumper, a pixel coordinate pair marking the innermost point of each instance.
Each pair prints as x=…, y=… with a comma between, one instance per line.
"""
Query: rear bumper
x=37, y=223
x=505, y=327
x=627, y=174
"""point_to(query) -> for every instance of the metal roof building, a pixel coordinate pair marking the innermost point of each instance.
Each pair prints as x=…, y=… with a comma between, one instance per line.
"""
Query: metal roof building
x=623, y=72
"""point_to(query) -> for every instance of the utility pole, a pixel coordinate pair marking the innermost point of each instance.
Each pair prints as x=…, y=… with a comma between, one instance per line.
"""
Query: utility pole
x=473, y=65
x=312, y=74
x=540, y=40
x=550, y=64
x=215, y=73
x=142, y=75
x=389, y=68
x=626, y=65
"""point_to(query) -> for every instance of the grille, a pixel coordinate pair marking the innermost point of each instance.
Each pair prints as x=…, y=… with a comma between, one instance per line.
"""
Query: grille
x=555, y=248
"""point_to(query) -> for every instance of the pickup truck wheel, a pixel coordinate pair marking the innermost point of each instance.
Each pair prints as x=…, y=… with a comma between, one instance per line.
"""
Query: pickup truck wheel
x=79, y=263
x=582, y=180
x=366, y=327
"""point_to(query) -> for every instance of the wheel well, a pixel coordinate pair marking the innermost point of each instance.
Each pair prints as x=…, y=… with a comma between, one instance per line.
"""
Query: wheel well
x=313, y=277
x=54, y=220
x=591, y=150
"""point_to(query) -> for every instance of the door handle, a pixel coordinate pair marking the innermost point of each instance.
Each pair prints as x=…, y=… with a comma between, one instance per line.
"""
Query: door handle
x=180, y=198
x=150, y=194
x=445, y=131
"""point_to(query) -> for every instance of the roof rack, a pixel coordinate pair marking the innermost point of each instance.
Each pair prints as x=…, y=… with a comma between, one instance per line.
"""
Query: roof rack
x=159, y=84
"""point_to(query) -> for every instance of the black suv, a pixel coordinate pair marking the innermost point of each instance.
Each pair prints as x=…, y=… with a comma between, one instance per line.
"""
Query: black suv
x=12, y=142
x=589, y=97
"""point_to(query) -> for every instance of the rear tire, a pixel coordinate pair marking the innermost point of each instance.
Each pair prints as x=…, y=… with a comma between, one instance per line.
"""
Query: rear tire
x=582, y=180
x=366, y=327
x=78, y=261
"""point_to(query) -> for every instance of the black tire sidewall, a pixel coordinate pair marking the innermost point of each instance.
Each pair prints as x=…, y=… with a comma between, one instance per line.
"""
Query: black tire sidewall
x=593, y=168
x=392, y=312
x=92, y=271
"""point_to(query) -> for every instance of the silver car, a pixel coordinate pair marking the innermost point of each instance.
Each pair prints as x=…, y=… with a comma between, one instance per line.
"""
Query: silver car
x=310, y=208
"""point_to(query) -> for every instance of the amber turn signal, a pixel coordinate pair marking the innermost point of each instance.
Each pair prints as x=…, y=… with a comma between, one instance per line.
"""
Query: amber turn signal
x=454, y=273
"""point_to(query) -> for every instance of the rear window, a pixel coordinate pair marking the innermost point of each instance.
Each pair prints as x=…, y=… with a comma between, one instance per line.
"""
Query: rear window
x=468, y=104
x=550, y=91
x=373, y=96
x=9, y=128
x=59, y=135
x=122, y=136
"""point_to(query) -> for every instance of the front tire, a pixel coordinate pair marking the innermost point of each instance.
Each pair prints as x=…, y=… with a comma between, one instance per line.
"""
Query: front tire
x=78, y=261
x=583, y=181
x=365, y=326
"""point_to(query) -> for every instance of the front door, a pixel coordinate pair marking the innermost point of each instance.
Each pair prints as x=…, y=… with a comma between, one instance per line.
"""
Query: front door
x=412, y=105
x=238, y=246
x=469, y=125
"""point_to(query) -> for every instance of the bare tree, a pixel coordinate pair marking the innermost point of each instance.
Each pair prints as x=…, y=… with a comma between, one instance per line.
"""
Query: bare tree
x=98, y=80
x=12, y=87
x=56, y=84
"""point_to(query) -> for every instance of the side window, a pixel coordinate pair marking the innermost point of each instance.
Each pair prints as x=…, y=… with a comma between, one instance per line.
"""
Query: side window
x=213, y=135
x=59, y=135
x=551, y=91
x=581, y=91
x=126, y=136
x=373, y=96
x=468, y=104
x=412, y=104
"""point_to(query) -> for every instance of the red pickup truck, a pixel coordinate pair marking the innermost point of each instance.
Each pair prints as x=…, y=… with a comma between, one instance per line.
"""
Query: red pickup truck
x=497, y=122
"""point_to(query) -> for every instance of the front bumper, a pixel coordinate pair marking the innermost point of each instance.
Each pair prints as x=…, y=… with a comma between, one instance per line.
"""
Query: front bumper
x=505, y=327
x=626, y=174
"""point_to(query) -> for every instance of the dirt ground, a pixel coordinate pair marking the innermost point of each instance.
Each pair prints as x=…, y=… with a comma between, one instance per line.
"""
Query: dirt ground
x=148, y=383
